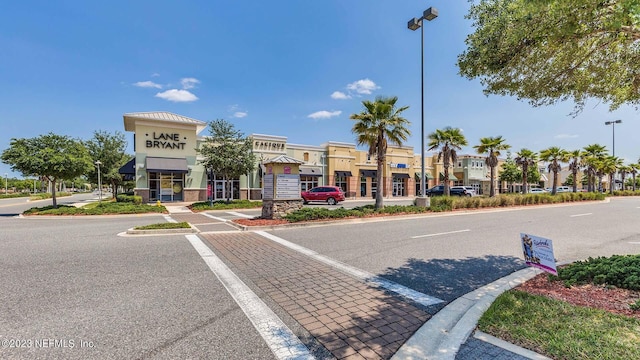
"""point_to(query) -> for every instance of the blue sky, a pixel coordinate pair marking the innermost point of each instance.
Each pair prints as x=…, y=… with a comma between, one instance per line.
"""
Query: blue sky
x=288, y=68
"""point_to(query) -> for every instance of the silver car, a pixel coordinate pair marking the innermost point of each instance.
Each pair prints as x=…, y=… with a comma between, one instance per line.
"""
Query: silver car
x=470, y=191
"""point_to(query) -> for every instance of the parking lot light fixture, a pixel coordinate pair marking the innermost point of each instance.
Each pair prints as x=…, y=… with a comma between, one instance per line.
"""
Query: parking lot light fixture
x=415, y=24
x=613, y=148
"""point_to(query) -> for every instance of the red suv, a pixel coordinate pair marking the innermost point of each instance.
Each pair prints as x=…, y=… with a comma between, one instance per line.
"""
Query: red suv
x=331, y=194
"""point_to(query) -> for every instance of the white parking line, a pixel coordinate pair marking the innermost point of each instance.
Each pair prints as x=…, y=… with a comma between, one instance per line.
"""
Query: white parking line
x=281, y=340
x=367, y=277
x=576, y=215
x=438, y=234
x=240, y=215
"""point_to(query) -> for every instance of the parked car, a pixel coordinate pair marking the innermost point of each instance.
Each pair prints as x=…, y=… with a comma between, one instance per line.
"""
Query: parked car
x=438, y=190
x=469, y=189
x=560, y=189
x=537, y=191
x=329, y=194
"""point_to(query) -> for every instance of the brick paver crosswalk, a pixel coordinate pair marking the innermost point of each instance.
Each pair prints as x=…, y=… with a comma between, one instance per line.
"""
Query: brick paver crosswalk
x=349, y=318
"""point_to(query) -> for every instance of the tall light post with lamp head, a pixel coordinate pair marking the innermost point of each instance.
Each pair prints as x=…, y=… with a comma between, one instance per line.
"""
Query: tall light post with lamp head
x=98, y=163
x=415, y=24
x=613, y=130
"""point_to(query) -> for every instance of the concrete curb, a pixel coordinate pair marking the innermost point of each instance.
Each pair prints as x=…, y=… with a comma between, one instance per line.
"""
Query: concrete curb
x=441, y=336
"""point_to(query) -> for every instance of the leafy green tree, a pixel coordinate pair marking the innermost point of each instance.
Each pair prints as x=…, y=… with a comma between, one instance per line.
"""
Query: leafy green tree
x=492, y=147
x=377, y=125
x=555, y=50
x=533, y=175
x=591, y=155
x=526, y=159
x=53, y=157
x=554, y=156
x=227, y=152
x=110, y=150
x=575, y=164
x=449, y=141
x=509, y=171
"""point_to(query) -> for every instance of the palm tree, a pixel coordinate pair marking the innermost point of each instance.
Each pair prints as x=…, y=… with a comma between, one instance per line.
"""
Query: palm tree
x=624, y=170
x=526, y=158
x=634, y=171
x=575, y=164
x=377, y=125
x=591, y=153
x=492, y=147
x=609, y=166
x=448, y=140
x=554, y=156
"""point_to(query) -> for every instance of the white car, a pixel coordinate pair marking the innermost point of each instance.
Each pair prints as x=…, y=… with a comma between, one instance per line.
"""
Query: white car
x=537, y=191
x=470, y=191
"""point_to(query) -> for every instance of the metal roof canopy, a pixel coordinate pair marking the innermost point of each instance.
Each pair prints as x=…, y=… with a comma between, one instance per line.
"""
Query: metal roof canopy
x=159, y=164
x=161, y=116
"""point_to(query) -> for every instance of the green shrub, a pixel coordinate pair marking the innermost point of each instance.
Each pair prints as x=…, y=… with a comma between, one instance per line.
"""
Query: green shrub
x=441, y=203
x=104, y=208
x=635, y=306
x=622, y=271
x=129, y=199
x=43, y=196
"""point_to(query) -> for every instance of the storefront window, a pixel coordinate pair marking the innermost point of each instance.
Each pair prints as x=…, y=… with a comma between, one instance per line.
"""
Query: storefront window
x=363, y=186
x=341, y=182
x=308, y=182
x=166, y=186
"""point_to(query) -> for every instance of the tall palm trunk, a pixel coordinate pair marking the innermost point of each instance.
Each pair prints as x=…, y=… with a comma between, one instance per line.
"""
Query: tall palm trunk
x=575, y=180
x=379, y=178
x=634, y=181
x=445, y=163
x=492, y=191
x=525, y=178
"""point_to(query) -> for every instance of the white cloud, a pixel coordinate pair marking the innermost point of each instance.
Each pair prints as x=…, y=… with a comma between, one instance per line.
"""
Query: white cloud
x=364, y=86
x=155, y=75
x=324, y=114
x=176, y=95
x=147, y=84
x=565, y=136
x=339, y=95
x=189, y=83
x=240, y=114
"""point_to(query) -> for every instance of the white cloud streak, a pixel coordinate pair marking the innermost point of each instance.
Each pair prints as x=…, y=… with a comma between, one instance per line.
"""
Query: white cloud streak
x=189, y=83
x=364, y=86
x=324, y=114
x=240, y=114
x=147, y=84
x=339, y=95
x=176, y=95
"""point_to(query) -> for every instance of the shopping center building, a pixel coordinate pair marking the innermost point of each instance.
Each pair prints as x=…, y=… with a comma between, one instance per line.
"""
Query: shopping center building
x=167, y=165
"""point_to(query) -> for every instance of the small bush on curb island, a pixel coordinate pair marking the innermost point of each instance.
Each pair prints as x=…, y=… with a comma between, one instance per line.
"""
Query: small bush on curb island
x=129, y=198
x=622, y=271
x=441, y=203
x=162, y=226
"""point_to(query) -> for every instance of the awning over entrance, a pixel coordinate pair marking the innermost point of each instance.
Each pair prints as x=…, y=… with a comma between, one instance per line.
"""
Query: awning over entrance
x=428, y=176
x=309, y=171
x=451, y=177
x=343, y=173
x=369, y=173
x=128, y=170
x=400, y=176
x=159, y=164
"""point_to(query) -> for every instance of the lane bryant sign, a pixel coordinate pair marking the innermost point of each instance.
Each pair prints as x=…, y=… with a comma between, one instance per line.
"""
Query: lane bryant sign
x=166, y=141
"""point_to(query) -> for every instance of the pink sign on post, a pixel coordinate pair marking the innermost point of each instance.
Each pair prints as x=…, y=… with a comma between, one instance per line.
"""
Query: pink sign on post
x=287, y=169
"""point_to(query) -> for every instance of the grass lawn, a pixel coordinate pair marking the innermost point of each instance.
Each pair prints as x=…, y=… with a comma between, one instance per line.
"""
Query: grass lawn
x=104, y=208
x=222, y=205
x=560, y=330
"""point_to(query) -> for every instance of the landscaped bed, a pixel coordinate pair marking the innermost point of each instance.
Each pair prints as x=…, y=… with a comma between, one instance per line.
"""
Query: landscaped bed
x=104, y=208
x=579, y=315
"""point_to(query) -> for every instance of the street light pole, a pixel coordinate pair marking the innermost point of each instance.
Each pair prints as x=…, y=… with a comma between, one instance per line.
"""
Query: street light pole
x=429, y=14
x=613, y=133
x=6, y=181
x=98, y=163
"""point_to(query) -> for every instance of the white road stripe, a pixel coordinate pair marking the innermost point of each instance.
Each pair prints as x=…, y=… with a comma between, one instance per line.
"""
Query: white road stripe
x=438, y=234
x=214, y=217
x=240, y=215
x=169, y=219
x=576, y=215
x=367, y=277
x=634, y=242
x=281, y=340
